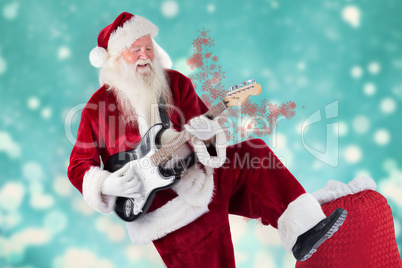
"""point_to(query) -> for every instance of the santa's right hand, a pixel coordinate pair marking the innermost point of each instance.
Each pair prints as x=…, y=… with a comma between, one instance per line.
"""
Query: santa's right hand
x=122, y=182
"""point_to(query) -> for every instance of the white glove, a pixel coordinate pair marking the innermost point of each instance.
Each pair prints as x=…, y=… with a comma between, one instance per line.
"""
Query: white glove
x=202, y=127
x=202, y=152
x=122, y=182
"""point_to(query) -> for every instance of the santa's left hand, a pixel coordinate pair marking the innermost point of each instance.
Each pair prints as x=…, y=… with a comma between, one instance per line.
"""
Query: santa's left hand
x=202, y=127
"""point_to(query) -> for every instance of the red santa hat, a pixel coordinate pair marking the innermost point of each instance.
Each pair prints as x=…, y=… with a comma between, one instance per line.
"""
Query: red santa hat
x=120, y=35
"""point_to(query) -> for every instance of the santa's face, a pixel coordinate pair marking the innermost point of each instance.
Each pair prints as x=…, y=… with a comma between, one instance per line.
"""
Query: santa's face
x=141, y=54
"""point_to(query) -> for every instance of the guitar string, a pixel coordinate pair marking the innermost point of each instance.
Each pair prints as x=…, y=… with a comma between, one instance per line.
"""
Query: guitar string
x=164, y=153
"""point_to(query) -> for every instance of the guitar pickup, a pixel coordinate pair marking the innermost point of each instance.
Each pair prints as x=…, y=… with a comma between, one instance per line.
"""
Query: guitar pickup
x=180, y=168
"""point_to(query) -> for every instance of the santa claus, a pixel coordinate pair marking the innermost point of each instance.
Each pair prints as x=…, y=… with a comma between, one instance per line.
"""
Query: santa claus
x=188, y=224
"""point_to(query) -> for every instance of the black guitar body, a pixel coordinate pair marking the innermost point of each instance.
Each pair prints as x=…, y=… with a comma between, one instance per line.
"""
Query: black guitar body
x=153, y=178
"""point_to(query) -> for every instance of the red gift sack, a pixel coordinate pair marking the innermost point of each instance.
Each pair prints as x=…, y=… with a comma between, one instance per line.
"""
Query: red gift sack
x=366, y=238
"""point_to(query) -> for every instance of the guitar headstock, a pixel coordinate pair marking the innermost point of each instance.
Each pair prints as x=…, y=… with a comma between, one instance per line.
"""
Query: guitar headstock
x=240, y=93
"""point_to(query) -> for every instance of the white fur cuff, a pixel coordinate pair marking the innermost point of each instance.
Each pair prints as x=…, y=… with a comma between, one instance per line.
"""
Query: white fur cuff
x=202, y=152
x=91, y=190
x=300, y=215
x=336, y=189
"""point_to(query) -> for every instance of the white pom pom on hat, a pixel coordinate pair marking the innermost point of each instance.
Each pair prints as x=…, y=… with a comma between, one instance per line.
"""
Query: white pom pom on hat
x=119, y=35
x=98, y=56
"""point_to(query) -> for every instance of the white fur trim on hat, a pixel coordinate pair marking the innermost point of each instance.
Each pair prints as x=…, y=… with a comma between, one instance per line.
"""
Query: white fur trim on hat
x=91, y=190
x=98, y=56
x=132, y=29
x=301, y=215
x=195, y=192
x=336, y=189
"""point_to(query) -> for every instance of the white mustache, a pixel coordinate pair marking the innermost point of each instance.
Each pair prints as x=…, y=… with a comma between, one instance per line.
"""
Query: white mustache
x=143, y=62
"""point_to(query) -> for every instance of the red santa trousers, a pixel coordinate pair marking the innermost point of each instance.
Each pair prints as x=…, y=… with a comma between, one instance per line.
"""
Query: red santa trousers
x=252, y=183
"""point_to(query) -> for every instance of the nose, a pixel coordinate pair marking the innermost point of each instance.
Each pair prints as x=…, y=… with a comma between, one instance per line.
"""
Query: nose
x=144, y=54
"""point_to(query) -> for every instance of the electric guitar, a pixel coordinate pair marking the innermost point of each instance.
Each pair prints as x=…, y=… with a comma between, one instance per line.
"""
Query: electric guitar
x=147, y=159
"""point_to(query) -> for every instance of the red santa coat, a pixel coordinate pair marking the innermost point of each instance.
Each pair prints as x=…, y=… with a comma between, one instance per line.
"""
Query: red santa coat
x=102, y=133
x=189, y=224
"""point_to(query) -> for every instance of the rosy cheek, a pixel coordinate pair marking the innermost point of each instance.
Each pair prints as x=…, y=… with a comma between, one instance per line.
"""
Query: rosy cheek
x=129, y=57
x=132, y=59
x=151, y=56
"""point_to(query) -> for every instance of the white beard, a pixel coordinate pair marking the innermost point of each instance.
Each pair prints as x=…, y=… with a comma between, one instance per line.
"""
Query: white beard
x=137, y=92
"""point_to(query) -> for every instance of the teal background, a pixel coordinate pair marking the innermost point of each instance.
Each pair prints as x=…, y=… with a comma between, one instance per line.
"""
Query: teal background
x=346, y=54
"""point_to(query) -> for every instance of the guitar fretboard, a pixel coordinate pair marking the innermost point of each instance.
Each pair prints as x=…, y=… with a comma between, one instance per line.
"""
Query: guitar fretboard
x=166, y=151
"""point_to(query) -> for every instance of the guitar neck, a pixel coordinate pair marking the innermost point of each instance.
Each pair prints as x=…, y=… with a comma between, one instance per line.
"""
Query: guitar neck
x=165, y=152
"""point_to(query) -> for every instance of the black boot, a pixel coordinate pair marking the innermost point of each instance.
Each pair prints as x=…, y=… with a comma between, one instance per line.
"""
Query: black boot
x=308, y=242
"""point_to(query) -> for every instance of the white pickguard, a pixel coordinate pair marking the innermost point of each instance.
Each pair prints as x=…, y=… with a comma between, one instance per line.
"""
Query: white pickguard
x=150, y=179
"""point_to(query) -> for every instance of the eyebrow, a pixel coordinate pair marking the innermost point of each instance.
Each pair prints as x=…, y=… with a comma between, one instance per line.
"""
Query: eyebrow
x=137, y=47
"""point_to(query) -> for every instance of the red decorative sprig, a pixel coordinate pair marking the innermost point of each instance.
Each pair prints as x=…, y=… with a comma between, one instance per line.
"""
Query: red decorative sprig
x=252, y=120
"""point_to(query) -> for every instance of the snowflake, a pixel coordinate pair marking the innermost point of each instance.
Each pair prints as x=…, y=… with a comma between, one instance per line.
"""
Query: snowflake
x=290, y=114
x=233, y=112
x=203, y=33
x=291, y=104
x=263, y=107
x=207, y=42
x=207, y=86
x=206, y=100
x=287, y=109
x=195, y=61
x=257, y=132
x=224, y=120
x=229, y=137
x=273, y=112
x=201, y=76
x=267, y=131
x=242, y=131
x=197, y=44
x=249, y=108
x=194, y=84
x=215, y=94
x=249, y=125
x=249, y=136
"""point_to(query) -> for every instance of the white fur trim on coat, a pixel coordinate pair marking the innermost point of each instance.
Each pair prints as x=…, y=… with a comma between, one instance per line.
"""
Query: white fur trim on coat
x=202, y=153
x=336, y=189
x=195, y=192
x=91, y=190
x=301, y=215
